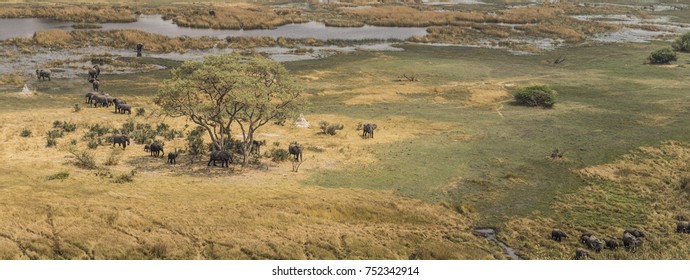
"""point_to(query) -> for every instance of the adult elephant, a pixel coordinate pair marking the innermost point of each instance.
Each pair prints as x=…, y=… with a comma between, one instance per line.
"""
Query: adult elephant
x=94, y=72
x=121, y=140
x=224, y=157
x=296, y=151
x=585, y=236
x=42, y=74
x=100, y=99
x=611, y=243
x=581, y=253
x=90, y=95
x=368, y=130
x=634, y=232
x=557, y=234
x=156, y=149
x=118, y=102
x=631, y=242
x=595, y=243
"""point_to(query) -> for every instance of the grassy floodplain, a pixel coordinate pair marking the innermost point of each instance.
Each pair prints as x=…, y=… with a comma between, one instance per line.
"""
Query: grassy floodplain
x=452, y=152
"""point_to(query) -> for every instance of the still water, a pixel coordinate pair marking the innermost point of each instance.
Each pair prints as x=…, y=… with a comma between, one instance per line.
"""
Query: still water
x=25, y=28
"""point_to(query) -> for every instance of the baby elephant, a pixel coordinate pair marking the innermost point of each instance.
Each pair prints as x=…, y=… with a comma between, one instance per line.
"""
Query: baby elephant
x=171, y=158
x=557, y=234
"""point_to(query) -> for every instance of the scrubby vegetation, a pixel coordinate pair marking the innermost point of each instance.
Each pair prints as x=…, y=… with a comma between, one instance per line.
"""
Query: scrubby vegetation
x=682, y=44
x=662, y=56
x=535, y=95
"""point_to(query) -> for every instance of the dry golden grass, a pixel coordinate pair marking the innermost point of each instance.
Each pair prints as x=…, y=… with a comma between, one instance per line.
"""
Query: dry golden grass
x=641, y=190
x=190, y=211
x=53, y=38
x=69, y=12
x=16, y=79
x=233, y=16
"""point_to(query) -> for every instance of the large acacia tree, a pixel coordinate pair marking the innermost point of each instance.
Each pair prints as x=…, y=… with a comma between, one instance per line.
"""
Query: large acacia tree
x=231, y=89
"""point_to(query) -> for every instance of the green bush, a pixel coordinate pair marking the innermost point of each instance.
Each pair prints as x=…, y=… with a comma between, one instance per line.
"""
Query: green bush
x=662, y=56
x=69, y=127
x=536, y=95
x=57, y=124
x=25, y=133
x=77, y=107
x=195, y=141
x=92, y=144
x=51, y=142
x=278, y=155
x=682, y=44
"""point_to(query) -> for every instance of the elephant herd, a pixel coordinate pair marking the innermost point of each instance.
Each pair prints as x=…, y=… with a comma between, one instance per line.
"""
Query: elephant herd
x=103, y=99
x=632, y=239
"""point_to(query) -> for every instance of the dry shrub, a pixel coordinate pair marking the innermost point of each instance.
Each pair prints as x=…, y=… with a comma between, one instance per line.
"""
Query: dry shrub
x=14, y=78
x=53, y=38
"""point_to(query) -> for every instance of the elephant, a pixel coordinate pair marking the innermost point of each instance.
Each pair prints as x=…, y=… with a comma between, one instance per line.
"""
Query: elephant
x=581, y=253
x=118, y=102
x=595, y=243
x=635, y=232
x=90, y=95
x=100, y=99
x=368, y=130
x=121, y=140
x=683, y=227
x=42, y=74
x=296, y=151
x=631, y=242
x=172, y=158
x=224, y=157
x=156, y=149
x=557, y=234
x=611, y=243
x=140, y=47
x=94, y=72
x=584, y=237
x=125, y=108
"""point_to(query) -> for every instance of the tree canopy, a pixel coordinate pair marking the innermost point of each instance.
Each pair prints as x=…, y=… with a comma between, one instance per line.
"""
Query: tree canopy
x=231, y=89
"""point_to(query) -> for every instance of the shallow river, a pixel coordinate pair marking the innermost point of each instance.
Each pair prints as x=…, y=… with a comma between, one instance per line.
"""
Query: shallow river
x=25, y=28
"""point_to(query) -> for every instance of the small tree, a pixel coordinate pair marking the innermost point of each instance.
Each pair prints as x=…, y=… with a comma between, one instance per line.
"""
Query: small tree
x=536, y=95
x=682, y=44
x=227, y=89
x=662, y=56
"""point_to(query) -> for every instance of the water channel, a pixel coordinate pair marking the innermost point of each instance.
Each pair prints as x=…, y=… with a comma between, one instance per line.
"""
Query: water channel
x=25, y=28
